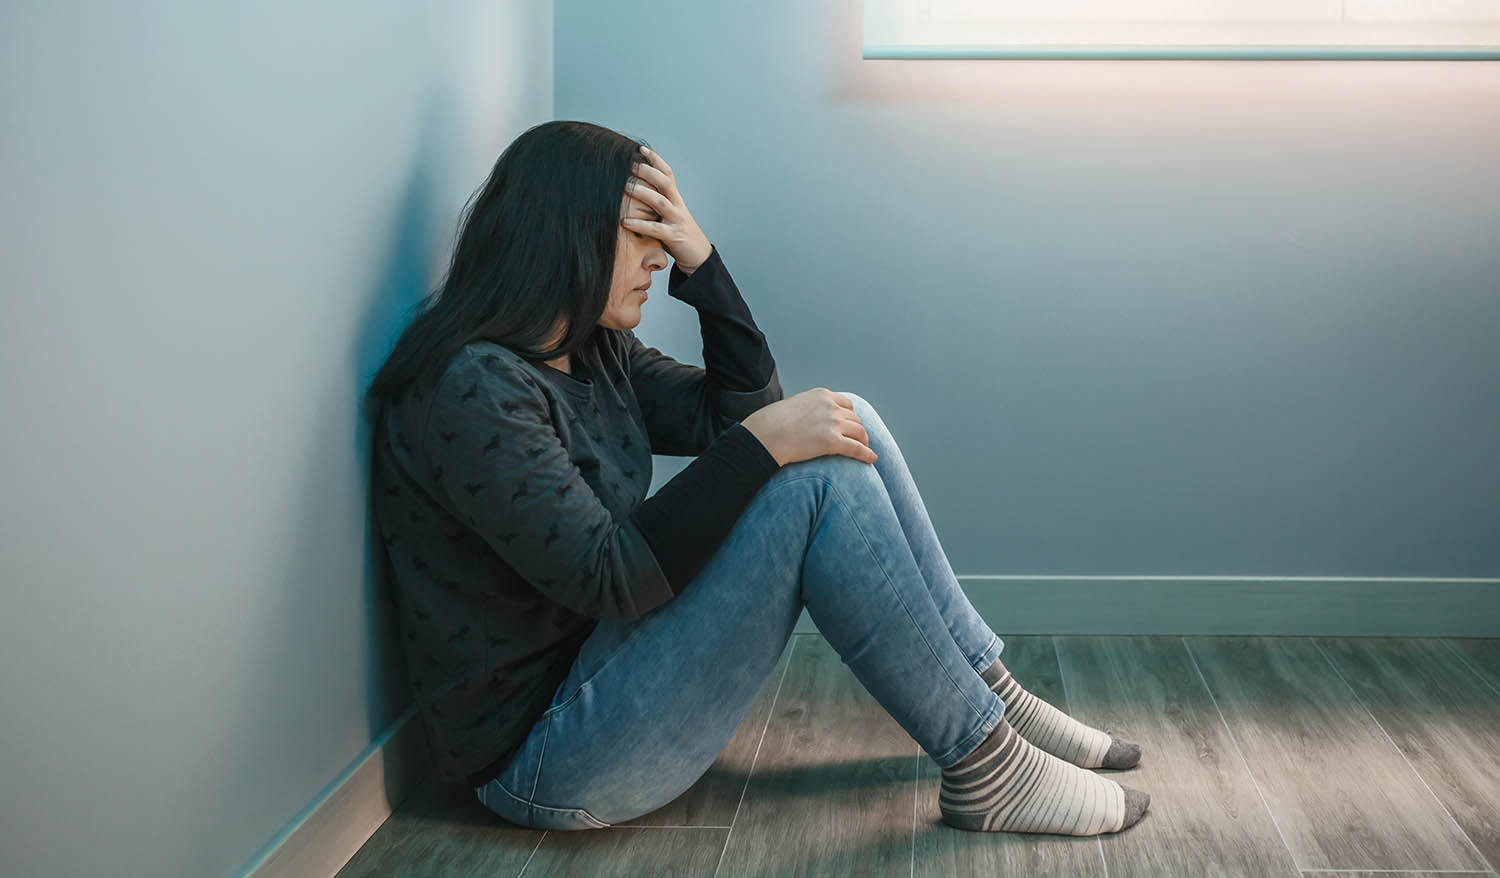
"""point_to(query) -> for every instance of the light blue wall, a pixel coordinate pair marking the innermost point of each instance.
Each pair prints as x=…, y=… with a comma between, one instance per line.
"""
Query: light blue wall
x=1125, y=318
x=212, y=218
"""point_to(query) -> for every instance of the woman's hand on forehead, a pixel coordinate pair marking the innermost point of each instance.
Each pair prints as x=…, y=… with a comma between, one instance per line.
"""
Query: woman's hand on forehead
x=654, y=187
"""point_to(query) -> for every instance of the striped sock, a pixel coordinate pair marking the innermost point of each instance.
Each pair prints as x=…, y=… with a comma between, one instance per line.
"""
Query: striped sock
x=1008, y=785
x=1054, y=731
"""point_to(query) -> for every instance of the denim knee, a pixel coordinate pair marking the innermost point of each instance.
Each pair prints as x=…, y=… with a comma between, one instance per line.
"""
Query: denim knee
x=870, y=418
x=879, y=439
x=833, y=464
x=862, y=406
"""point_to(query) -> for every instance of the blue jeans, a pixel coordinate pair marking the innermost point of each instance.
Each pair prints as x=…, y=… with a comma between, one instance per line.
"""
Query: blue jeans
x=649, y=705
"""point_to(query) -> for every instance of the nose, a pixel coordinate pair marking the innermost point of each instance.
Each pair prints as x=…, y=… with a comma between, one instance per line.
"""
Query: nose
x=657, y=260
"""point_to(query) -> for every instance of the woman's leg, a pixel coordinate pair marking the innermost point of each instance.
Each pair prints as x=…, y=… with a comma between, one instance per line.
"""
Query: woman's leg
x=650, y=704
x=974, y=638
x=970, y=788
x=1040, y=722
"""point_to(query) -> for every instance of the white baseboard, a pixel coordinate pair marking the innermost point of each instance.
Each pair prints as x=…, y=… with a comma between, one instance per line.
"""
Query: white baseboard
x=337, y=823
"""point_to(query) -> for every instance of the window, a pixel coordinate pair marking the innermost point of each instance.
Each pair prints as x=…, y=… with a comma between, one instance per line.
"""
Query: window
x=1258, y=29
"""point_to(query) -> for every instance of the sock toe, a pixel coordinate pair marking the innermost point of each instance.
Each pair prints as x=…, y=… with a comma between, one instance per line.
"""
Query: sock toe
x=1122, y=754
x=1136, y=803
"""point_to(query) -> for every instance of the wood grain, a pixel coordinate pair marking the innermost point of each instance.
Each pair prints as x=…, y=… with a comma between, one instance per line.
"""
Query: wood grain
x=832, y=790
x=1442, y=719
x=1341, y=793
x=1206, y=816
x=1359, y=754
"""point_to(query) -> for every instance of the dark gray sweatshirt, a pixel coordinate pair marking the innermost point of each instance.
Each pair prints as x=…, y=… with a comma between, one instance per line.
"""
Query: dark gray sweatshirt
x=510, y=498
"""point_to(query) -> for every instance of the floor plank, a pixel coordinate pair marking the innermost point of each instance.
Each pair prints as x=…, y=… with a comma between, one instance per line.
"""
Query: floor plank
x=1443, y=718
x=832, y=785
x=943, y=850
x=441, y=829
x=1341, y=793
x=1482, y=656
x=1405, y=873
x=628, y=853
x=1206, y=816
x=831, y=792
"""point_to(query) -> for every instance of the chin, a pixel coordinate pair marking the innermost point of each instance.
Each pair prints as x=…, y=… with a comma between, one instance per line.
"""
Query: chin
x=623, y=321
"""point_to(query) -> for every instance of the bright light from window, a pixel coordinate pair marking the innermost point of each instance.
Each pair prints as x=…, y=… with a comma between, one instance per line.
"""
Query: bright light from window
x=1267, y=29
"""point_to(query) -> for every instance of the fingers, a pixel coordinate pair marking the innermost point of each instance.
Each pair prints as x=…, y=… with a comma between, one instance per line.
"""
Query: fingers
x=853, y=439
x=854, y=428
x=638, y=190
x=656, y=161
x=649, y=228
x=641, y=191
x=848, y=415
x=653, y=175
x=853, y=448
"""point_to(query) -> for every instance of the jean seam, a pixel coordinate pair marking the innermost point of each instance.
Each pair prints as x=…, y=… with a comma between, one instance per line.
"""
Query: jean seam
x=567, y=702
x=553, y=712
x=484, y=794
x=536, y=781
x=532, y=807
x=969, y=744
x=883, y=433
x=984, y=653
x=583, y=812
x=982, y=714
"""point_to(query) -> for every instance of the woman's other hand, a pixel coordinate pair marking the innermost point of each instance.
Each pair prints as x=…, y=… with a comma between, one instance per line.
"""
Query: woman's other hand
x=811, y=424
x=654, y=186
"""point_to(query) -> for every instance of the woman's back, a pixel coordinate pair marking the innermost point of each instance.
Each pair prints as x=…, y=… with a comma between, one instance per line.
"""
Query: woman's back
x=486, y=650
x=511, y=503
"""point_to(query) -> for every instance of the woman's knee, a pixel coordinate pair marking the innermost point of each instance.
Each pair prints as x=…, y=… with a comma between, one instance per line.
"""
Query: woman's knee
x=879, y=437
x=862, y=406
x=836, y=465
x=868, y=416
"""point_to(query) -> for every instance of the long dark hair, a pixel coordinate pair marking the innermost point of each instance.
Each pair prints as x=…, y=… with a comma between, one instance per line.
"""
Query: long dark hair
x=536, y=243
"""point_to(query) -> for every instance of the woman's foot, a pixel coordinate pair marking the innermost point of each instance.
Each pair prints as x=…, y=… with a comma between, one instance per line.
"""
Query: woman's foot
x=1055, y=732
x=1009, y=785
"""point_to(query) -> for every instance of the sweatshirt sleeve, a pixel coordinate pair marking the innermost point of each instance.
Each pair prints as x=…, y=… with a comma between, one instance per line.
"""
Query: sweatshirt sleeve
x=687, y=407
x=495, y=460
x=688, y=518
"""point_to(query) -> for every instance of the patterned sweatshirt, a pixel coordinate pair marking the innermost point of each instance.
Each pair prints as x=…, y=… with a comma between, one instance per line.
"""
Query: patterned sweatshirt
x=509, y=499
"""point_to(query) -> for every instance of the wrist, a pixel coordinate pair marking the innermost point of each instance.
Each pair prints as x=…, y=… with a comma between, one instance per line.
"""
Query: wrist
x=691, y=262
x=752, y=425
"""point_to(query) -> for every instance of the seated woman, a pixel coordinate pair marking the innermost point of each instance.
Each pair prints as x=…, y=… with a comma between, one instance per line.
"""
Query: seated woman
x=581, y=654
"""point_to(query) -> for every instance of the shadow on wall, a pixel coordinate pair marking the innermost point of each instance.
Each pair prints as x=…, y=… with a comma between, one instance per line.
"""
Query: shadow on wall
x=398, y=293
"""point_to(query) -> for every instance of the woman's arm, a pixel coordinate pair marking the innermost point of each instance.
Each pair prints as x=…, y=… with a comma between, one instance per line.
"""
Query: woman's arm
x=686, y=407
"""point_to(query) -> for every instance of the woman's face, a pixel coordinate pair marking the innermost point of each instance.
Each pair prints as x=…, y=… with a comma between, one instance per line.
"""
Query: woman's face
x=636, y=257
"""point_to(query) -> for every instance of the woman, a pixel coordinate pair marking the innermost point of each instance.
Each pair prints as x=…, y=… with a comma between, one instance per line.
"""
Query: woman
x=581, y=654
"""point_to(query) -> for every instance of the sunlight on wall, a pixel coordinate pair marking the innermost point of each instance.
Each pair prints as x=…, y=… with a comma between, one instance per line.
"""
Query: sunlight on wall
x=1258, y=29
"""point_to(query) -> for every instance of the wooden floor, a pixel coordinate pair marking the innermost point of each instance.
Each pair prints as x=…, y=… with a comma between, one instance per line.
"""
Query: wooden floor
x=1264, y=756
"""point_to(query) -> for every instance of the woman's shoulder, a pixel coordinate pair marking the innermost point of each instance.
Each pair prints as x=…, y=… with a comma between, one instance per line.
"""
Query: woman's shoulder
x=490, y=362
x=490, y=353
